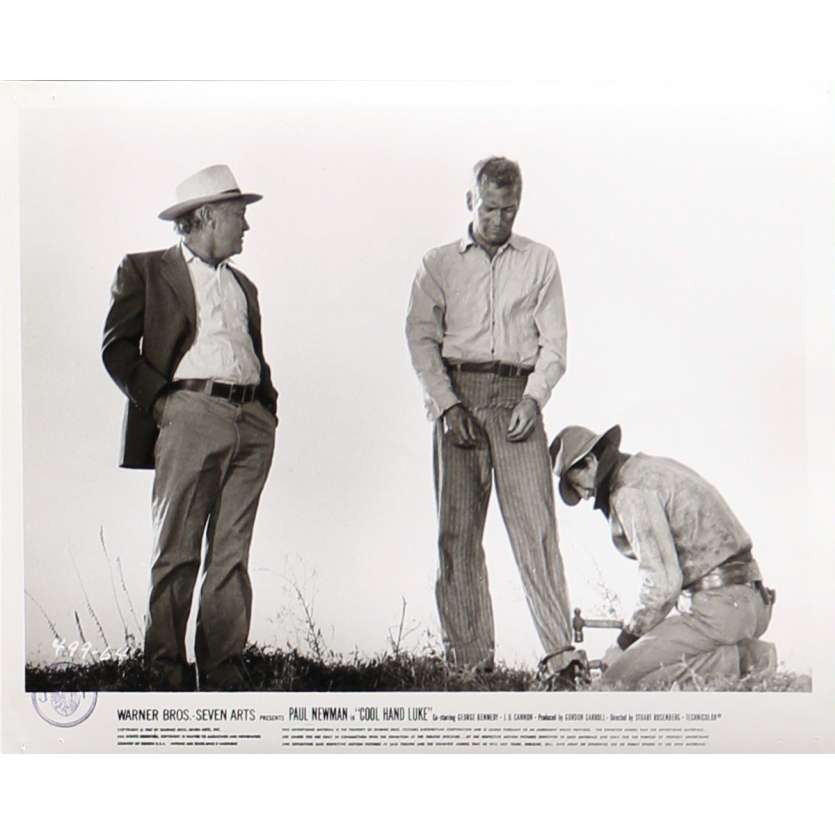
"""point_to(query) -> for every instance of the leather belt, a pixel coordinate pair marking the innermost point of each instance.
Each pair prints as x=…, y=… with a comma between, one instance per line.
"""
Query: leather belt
x=232, y=392
x=500, y=369
x=738, y=570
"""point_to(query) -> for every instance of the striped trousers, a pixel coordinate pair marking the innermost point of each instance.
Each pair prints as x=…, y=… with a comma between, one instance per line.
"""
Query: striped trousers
x=524, y=485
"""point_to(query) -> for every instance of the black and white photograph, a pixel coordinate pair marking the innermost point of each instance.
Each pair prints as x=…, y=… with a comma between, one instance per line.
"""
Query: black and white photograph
x=418, y=415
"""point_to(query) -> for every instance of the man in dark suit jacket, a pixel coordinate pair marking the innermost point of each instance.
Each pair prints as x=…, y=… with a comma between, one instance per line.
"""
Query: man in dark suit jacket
x=183, y=341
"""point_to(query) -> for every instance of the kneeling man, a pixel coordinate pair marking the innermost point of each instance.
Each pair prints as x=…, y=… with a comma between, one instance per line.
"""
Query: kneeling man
x=686, y=540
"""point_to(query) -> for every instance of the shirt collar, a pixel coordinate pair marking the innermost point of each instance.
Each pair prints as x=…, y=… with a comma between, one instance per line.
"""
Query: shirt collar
x=607, y=469
x=515, y=241
x=189, y=257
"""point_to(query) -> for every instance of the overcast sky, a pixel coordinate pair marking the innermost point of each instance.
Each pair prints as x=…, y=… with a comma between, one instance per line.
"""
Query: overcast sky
x=691, y=235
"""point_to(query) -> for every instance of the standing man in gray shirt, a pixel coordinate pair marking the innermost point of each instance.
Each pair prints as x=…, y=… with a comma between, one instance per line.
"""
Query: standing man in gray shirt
x=487, y=336
x=182, y=340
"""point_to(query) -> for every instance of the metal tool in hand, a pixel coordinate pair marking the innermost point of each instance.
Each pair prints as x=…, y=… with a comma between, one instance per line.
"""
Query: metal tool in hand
x=580, y=623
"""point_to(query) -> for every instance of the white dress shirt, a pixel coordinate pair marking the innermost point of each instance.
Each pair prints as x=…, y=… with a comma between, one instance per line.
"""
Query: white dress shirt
x=222, y=349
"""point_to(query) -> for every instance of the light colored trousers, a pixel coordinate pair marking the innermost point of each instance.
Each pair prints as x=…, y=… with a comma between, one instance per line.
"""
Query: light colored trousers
x=700, y=644
x=463, y=482
x=212, y=460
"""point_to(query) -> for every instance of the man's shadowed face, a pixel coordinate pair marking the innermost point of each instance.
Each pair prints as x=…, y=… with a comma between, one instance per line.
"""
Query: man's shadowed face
x=582, y=476
x=494, y=210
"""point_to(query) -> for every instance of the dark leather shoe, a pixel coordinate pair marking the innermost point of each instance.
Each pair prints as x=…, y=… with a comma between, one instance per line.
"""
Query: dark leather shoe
x=178, y=678
x=757, y=657
x=565, y=669
x=231, y=676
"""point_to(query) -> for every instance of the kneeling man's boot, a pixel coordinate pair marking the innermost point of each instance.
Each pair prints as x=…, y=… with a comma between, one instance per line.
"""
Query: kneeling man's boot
x=757, y=657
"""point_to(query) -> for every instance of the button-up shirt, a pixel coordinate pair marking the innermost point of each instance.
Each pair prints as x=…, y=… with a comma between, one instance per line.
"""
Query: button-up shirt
x=222, y=349
x=468, y=307
x=675, y=524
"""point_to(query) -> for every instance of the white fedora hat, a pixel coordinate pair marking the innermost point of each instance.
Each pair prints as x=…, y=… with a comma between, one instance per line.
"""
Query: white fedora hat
x=211, y=185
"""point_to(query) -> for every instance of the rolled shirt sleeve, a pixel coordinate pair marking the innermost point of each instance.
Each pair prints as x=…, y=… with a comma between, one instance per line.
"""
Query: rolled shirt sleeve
x=425, y=337
x=641, y=516
x=550, y=321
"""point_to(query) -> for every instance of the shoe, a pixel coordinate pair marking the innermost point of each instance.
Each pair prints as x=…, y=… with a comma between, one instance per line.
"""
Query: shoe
x=564, y=670
x=485, y=666
x=756, y=657
x=171, y=678
x=230, y=676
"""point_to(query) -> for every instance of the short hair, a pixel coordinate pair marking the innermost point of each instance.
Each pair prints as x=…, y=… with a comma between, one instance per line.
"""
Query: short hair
x=499, y=171
x=190, y=221
x=193, y=220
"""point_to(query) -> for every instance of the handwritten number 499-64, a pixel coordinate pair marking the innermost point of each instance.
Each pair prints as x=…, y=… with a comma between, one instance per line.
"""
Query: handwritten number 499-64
x=76, y=651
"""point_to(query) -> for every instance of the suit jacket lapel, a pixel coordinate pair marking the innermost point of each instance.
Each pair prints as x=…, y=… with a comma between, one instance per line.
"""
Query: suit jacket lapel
x=175, y=272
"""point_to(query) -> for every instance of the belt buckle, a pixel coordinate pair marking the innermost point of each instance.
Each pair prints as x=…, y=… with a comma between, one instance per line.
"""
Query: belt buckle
x=510, y=370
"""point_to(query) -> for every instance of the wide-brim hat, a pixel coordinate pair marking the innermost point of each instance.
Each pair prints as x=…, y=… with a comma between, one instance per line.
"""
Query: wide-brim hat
x=570, y=447
x=211, y=185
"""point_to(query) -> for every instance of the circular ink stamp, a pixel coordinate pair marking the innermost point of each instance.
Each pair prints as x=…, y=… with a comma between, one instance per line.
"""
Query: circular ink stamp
x=64, y=709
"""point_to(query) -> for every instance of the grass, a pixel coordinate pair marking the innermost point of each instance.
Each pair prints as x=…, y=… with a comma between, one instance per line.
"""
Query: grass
x=314, y=667
x=276, y=670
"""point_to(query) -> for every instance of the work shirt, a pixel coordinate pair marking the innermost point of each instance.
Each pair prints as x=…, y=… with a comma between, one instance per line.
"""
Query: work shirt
x=675, y=524
x=466, y=307
x=222, y=349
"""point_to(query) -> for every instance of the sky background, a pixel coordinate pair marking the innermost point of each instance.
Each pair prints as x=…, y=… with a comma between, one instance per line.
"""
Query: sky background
x=688, y=232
